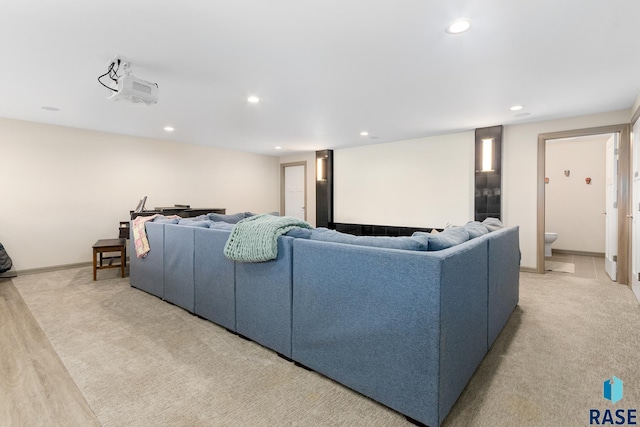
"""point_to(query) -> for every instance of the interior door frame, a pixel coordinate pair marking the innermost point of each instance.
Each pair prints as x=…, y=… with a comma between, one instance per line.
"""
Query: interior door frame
x=282, y=185
x=635, y=145
x=624, y=189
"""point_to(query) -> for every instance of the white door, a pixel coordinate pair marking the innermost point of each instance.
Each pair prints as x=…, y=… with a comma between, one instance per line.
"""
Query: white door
x=294, y=191
x=611, y=208
x=635, y=212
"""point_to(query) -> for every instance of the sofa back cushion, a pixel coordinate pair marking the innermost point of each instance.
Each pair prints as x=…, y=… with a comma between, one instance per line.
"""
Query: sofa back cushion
x=445, y=239
x=475, y=229
x=417, y=243
x=195, y=223
x=232, y=219
x=161, y=219
x=492, y=224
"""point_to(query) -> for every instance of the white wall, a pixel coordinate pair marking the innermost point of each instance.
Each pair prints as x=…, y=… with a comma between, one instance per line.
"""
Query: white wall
x=424, y=182
x=573, y=208
x=310, y=158
x=65, y=188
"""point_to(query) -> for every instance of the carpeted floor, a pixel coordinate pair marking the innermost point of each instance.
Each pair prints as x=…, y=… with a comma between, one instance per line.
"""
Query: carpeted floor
x=142, y=362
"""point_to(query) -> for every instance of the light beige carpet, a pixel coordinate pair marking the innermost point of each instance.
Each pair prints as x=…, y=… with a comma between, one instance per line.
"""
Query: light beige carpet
x=142, y=362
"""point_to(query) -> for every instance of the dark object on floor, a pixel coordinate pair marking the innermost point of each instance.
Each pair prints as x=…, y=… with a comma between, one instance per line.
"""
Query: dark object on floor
x=5, y=260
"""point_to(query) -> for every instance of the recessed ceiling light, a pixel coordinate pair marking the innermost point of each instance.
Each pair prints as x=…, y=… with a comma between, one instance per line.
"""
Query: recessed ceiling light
x=517, y=107
x=278, y=148
x=50, y=108
x=459, y=26
x=364, y=133
x=169, y=128
x=253, y=99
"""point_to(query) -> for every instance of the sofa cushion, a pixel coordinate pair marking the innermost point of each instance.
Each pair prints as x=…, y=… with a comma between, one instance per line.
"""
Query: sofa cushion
x=299, y=233
x=194, y=223
x=492, y=224
x=203, y=217
x=418, y=243
x=231, y=219
x=449, y=237
x=161, y=219
x=475, y=229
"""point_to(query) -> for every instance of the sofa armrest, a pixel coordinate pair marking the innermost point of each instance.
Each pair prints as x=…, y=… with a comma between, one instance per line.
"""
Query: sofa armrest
x=178, y=265
x=214, y=287
x=263, y=299
x=504, y=278
x=463, y=319
x=147, y=273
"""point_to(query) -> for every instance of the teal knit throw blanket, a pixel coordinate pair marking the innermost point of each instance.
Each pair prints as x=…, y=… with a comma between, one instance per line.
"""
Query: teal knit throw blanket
x=255, y=239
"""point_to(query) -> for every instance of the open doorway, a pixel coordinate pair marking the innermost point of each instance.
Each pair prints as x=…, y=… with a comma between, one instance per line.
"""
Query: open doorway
x=621, y=193
x=578, y=234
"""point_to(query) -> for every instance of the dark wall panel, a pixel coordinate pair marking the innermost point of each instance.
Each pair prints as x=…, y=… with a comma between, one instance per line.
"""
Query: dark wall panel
x=488, y=183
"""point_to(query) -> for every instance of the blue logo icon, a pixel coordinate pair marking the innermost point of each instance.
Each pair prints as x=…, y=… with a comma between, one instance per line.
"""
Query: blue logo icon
x=613, y=389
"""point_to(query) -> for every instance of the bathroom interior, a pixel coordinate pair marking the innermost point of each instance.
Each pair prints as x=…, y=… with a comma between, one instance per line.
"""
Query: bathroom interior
x=575, y=206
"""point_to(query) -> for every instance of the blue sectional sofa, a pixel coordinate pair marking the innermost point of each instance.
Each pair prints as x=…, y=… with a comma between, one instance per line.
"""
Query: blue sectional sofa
x=407, y=328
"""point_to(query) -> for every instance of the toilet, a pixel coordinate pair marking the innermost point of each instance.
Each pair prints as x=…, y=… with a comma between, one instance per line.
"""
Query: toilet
x=549, y=238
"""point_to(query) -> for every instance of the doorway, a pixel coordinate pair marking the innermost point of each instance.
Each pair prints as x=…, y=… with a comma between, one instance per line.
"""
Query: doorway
x=621, y=193
x=577, y=189
x=293, y=189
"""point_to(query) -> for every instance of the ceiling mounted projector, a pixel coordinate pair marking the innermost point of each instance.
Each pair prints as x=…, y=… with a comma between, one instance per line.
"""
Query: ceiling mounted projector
x=125, y=87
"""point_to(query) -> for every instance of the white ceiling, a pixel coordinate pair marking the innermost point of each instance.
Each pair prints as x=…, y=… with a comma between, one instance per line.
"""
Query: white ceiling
x=324, y=70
